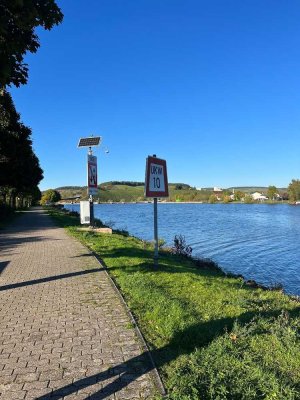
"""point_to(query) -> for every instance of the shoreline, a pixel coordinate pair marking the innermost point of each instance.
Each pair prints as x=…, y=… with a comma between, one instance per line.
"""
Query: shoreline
x=183, y=202
x=212, y=265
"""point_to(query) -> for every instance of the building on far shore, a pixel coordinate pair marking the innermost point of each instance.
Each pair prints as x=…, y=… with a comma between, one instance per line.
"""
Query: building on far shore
x=218, y=190
x=218, y=193
x=259, y=196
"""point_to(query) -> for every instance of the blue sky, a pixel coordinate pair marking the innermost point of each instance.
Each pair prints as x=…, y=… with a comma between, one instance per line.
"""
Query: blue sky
x=211, y=86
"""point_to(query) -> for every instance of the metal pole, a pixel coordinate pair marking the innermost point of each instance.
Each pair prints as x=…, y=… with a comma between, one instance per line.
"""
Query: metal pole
x=155, y=234
x=91, y=211
x=155, y=230
x=90, y=153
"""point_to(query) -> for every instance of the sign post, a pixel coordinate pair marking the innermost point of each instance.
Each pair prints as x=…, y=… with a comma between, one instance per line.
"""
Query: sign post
x=92, y=186
x=92, y=183
x=156, y=185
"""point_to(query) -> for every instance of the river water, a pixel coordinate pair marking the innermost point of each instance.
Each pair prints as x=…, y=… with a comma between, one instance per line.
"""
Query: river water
x=261, y=242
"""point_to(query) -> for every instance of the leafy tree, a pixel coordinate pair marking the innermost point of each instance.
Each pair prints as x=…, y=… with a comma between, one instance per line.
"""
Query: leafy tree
x=212, y=199
x=20, y=172
x=294, y=190
x=248, y=199
x=284, y=196
x=226, y=192
x=226, y=199
x=272, y=190
x=50, y=196
x=18, y=20
x=239, y=195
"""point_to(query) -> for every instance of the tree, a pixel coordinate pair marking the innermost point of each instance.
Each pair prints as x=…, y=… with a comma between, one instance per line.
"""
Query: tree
x=226, y=199
x=272, y=190
x=294, y=190
x=178, y=187
x=20, y=172
x=50, y=196
x=212, y=199
x=238, y=195
x=248, y=199
x=18, y=20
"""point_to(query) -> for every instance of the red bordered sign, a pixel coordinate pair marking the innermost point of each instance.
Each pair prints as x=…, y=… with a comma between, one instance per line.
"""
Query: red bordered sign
x=92, y=175
x=156, y=182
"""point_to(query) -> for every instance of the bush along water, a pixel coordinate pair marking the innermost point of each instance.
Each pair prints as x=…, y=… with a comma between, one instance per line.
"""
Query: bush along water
x=180, y=247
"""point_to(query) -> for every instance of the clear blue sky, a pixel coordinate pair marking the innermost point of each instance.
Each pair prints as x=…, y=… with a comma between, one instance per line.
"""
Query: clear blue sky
x=211, y=86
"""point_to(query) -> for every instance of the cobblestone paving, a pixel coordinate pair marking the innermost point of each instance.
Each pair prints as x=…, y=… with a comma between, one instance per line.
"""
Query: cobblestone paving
x=64, y=332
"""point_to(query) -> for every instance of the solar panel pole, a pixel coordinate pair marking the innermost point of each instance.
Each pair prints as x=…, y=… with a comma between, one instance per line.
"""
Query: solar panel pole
x=92, y=220
x=91, y=165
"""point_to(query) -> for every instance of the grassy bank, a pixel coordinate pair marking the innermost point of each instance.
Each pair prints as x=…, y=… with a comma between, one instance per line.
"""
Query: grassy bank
x=212, y=336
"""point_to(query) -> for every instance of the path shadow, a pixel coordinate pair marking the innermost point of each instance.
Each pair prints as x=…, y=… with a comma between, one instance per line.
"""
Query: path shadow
x=83, y=255
x=49, y=279
x=129, y=371
x=9, y=243
x=30, y=220
x=3, y=265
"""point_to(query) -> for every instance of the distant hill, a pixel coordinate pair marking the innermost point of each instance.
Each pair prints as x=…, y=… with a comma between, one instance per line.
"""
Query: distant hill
x=254, y=188
x=127, y=191
x=130, y=191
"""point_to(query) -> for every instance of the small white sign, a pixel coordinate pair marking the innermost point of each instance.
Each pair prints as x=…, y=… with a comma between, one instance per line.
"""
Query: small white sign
x=85, y=217
x=156, y=182
x=156, y=178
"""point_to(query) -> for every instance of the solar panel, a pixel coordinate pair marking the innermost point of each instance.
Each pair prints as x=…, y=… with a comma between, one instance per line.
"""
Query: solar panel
x=89, y=141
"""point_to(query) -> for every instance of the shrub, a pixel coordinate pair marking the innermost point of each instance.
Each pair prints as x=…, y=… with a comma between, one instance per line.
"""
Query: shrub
x=212, y=199
x=180, y=247
x=248, y=199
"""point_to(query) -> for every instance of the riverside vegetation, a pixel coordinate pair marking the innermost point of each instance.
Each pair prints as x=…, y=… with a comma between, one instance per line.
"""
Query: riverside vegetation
x=211, y=335
x=126, y=191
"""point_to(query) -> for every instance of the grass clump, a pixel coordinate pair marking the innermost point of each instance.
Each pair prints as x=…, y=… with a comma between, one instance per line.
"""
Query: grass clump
x=211, y=335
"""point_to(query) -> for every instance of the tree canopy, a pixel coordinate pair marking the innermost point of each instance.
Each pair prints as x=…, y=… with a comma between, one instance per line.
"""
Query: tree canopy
x=294, y=190
x=18, y=20
x=20, y=172
x=50, y=196
x=272, y=190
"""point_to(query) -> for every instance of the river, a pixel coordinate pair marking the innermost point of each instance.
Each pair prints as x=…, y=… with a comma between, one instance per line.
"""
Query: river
x=259, y=241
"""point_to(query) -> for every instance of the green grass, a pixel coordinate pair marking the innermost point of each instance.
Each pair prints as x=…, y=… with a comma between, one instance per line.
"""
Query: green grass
x=212, y=337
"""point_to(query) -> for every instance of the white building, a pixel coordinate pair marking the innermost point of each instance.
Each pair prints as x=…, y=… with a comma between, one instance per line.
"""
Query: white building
x=258, y=197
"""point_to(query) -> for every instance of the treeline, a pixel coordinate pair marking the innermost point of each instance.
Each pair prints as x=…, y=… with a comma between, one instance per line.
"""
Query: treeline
x=123, y=183
x=71, y=188
x=20, y=171
x=113, y=191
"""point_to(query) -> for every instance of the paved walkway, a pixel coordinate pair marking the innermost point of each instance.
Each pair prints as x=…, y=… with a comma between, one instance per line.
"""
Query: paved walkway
x=64, y=332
